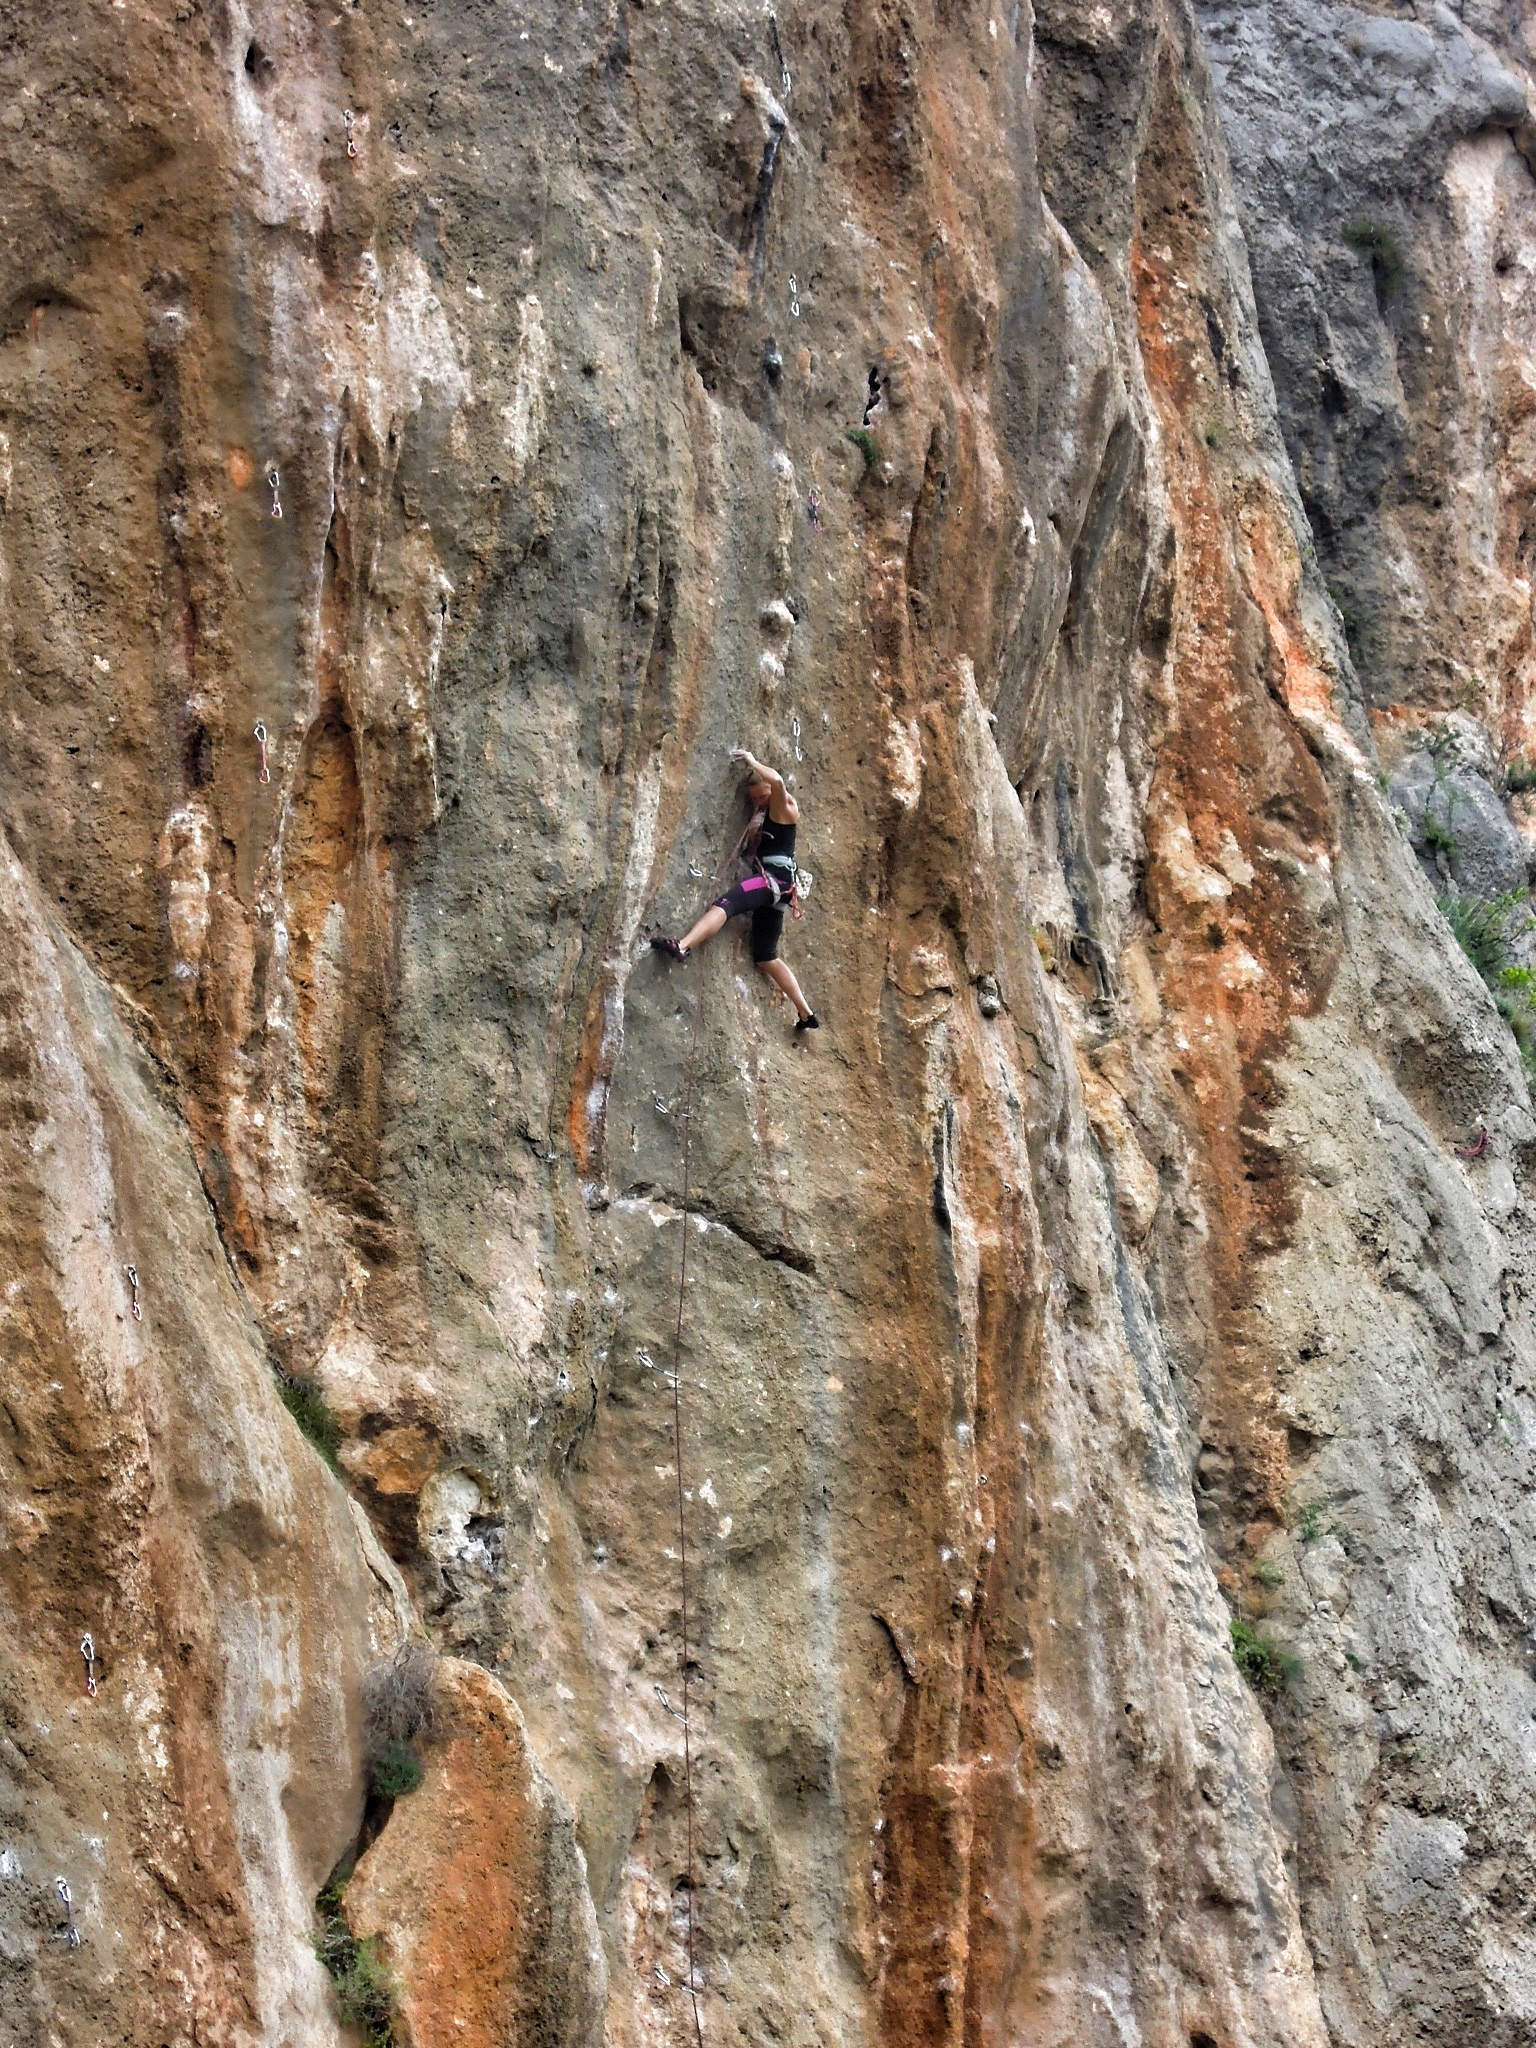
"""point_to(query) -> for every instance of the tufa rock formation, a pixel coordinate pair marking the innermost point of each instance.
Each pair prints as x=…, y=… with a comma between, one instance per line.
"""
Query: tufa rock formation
x=1090, y=451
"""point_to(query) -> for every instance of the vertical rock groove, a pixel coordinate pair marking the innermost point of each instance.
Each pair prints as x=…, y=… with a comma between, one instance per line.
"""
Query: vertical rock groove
x=1085, y=448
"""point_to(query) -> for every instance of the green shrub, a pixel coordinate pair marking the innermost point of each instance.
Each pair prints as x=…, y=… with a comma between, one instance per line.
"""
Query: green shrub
x=364, y=1990
x=867, y=446
x=1370, y=238
x=1520, y=776
x=1267, y=1668
x=1438, y=836
x=1481, y=926
x=1268, y=1573
x=1351, y=621
x=1485, y=928
x=394, y=1771
x=307, y=1405
x=1310, y=1524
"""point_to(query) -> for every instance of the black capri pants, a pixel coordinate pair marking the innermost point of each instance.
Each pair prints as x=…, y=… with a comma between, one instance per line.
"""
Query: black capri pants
x=754, y=898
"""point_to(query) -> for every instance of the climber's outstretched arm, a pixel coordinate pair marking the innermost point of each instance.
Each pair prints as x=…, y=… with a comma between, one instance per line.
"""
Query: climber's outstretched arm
x=782, y=807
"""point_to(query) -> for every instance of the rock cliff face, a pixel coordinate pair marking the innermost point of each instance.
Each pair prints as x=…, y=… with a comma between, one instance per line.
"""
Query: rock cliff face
x=1090, y=452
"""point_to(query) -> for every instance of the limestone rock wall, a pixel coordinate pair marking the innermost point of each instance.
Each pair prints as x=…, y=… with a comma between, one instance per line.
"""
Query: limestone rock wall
x=886, y=388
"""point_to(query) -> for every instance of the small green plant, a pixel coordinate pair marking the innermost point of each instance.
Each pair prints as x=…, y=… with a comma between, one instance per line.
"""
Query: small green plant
x=867, y=446
x=1485, y=928
x=364, y=1990
x=1438, y=836
x=1266, y=1667
x=1268, y=1573
x=396, y=1697
x=1310, y=1525
x=307, y=1405
x=1350, y=620
x=1520, y=776
x=394, y=1771
x=1370, y=238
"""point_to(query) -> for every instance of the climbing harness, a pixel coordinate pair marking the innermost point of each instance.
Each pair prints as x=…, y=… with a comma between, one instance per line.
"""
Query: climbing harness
x=794, y=296
x=275, y=485
x=264, y=772
x=682, y=1528
x=133, y=1289
x=791, y=884
x=88, y=1652
x=346, y=122
x=69, y=1932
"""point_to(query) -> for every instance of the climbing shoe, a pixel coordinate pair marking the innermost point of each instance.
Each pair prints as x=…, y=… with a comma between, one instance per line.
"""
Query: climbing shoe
x=669, y=946
x=811, y=1023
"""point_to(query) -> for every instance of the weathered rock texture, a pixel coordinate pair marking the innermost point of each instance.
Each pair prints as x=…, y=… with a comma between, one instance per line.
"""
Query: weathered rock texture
x=476, y=1892
x=1105, y=1265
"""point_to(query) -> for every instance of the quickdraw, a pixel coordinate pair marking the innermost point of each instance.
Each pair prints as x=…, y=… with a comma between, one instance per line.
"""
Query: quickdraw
x=88, y=1652
x=133, y=1290
x=69, y=1932
x=778, y=53
x=346, y=122
x=264, y=772
x=275, y=485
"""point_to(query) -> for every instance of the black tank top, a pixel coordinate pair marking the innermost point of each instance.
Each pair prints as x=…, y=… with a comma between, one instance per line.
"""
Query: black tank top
x=776, y=841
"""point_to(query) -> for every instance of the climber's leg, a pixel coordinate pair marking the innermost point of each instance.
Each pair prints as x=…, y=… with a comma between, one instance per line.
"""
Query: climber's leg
x=704, y=928
x=783, y=976
x=735, y=902
x=767, y=930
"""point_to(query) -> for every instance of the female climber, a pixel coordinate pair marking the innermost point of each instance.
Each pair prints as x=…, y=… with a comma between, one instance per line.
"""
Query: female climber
x=768, y=847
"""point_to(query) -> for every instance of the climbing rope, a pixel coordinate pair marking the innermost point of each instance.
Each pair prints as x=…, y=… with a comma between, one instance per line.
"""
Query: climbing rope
x=682, y=1527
